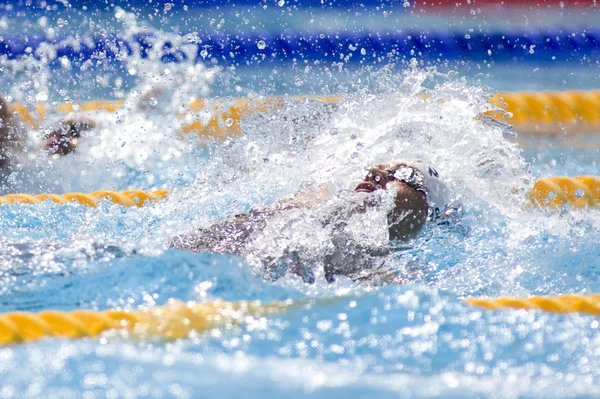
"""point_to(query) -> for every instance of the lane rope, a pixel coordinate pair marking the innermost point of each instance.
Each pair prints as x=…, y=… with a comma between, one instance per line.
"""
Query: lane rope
x=560, y=191
x=396, y=5
x=367, y=47
x=550, y=112
x=589, y=304
x=137, y=198
x=174, y=320
x=548, y=192
x=531, y=112
x=178, y=320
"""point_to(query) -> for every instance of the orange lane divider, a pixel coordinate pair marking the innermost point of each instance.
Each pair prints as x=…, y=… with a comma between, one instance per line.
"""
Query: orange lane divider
x=137, y=198
x=174, y=320
x=550, y=112
x=224, y=116
x=557, y=191
x=532, y=112
x=589, y=304
x=178, y=320
x=548, y=192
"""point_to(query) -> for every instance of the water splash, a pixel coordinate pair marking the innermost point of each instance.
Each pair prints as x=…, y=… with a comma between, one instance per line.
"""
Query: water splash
x=140, y=146
x=421, y=114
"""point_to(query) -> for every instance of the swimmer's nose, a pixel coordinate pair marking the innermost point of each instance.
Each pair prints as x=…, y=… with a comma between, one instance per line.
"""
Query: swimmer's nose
x=365, y=187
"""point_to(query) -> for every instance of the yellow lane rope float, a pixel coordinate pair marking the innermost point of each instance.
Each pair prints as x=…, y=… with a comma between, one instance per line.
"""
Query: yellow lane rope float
x=137, y=198
x=174, y=320
x=533, y=112
x=550, y=112
x=177, y=319
x=549, y=192
x=557, y=191
x=224, y=121
x=589, y=304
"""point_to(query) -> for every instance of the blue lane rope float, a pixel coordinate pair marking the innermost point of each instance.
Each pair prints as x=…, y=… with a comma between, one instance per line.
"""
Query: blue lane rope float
x=240, y=4
x=365, y=47
x=396, y=5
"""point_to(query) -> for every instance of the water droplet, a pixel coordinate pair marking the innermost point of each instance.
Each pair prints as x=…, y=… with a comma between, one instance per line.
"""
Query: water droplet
x=168, y=6
x=467, y=36
x=551, y=195
x=204, y=53
x=579, y=193
x=363, y=51
x=229, y=122
x=261, y=44
x=281, y=3
x=41, y=97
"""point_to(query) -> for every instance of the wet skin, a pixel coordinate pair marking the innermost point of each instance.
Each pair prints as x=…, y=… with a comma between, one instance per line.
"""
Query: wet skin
x=376, y=179
x=410, y=206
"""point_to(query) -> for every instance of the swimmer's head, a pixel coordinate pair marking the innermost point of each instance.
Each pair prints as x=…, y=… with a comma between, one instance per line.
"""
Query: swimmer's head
x=410, y=204
x=62, y=138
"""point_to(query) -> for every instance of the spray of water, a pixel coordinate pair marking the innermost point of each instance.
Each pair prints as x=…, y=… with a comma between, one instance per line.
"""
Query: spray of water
x=141, y=146
x=419, y=114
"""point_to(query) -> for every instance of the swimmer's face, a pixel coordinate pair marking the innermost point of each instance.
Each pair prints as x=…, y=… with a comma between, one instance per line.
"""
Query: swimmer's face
x=381, y=177
x=410, y=208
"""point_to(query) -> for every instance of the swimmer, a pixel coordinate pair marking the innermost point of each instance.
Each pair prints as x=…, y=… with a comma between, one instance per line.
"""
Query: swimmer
x=12, y=135
x=60, y=139
x=420, y=196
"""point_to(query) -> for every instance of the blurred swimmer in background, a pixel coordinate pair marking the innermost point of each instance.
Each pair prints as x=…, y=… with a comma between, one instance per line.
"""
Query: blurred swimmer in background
x=60, y=139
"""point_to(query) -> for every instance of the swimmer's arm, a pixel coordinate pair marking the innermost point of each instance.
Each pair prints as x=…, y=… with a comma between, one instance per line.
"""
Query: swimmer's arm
x=305, y=198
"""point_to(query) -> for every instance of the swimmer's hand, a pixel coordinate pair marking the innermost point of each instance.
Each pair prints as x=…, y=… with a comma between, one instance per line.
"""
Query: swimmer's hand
x=62, y=139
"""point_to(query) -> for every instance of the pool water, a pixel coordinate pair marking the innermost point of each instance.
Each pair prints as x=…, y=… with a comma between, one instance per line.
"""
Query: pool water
x=416, y=339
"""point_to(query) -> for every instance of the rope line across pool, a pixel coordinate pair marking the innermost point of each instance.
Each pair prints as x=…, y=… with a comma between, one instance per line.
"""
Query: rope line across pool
x=369, y=47
x=137, y=198
x=171, y=321
x=177, y=319
x=549, y=192
x=531, y=112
